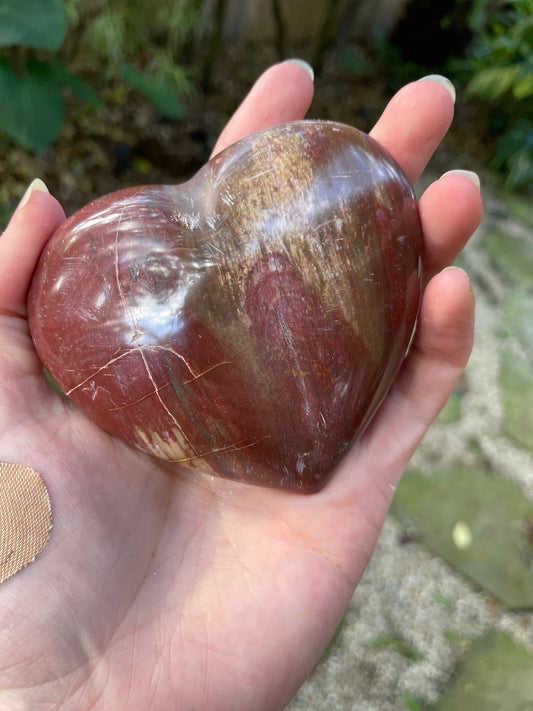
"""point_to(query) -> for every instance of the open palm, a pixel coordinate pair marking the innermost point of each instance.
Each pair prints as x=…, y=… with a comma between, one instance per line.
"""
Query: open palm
x=162, y=589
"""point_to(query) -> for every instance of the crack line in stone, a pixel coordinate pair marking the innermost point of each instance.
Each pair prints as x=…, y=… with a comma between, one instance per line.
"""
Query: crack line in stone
x=207, y=370
x=169, y=413
x=166, y=385
x=227, y=448
x=136, y=402
x=294, y=357
x=99, y=370
x=182, y=358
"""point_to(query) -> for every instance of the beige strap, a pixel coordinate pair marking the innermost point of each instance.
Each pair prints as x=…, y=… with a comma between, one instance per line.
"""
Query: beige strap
x=25, y=517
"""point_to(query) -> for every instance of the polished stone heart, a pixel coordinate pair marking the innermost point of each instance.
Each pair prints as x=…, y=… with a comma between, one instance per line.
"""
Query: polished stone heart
x=246, y=323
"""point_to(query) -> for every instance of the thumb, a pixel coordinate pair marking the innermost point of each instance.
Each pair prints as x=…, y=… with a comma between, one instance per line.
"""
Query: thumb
x=36, y=218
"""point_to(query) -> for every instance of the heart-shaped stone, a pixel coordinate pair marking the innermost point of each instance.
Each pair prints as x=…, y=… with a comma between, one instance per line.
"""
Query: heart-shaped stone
x=246, y=323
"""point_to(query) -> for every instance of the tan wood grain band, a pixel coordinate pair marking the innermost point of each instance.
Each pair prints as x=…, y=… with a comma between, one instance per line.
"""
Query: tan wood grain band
x=25, y=517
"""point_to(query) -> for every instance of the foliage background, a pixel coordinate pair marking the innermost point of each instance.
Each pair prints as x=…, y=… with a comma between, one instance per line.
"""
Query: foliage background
x=98, y=94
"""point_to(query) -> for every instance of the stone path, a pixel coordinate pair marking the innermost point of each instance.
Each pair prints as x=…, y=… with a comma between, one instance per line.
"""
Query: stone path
x=443, y=618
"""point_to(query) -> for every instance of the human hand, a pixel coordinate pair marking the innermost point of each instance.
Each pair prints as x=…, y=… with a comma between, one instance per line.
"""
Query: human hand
x=161, y=589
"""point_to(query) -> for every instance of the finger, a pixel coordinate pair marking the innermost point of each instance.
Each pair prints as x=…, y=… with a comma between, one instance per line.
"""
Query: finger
x=439, y=353
x=415, y=121
x=32, y=224
x=450, y=212
x=437, y=358
x=282, y=93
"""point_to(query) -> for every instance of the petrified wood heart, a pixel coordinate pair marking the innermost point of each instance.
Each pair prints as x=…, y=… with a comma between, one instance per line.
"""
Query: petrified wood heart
x=247, y=323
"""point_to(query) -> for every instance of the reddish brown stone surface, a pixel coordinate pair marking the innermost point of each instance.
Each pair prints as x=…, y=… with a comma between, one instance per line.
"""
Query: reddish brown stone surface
x=247, y=323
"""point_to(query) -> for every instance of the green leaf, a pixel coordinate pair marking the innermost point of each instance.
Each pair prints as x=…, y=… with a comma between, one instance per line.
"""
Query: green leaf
x=444, y=601
x=523, y=86
x=57, y=74
x=40, y=24
x=354, y=62
x=520, y=174
x=31, y=112
x=396, y=643
x=159, y=91
x=494, y=82
x=412, y=704
x=81, y=89
x=514, y=155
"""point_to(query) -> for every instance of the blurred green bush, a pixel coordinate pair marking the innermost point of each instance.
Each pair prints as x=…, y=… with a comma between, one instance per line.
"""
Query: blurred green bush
x=166, y=49
x=41, y=41
x=499, y=71
x=32, y=105
x=495, y=67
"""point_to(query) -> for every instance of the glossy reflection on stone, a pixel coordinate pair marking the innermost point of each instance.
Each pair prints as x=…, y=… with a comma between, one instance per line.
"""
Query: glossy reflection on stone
x=248, y=322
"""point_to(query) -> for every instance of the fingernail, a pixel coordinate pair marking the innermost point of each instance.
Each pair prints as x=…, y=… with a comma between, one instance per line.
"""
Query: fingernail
x=305, y=65
x=455, y=268
x=36, y=184
x=468, y=174
x=443, y=81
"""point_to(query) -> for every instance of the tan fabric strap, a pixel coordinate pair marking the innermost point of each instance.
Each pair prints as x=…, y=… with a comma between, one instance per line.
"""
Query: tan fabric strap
x=25, y=517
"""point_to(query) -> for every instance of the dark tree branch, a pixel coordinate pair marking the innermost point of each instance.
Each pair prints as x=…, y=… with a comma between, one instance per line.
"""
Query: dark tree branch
x=281, y=35
x=213, y=46
x=326, y=35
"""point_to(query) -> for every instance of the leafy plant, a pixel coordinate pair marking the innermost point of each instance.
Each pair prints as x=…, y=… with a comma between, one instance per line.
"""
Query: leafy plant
x=32, y=90
x=395, y=643
x=144, y=43
x=411, y=703
x=32, y=116
x=158, y=89
x=40, y=24
x=502, y=56
x=444, y=602
x=514, y=155
x=137, y=43
x=499, y=71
